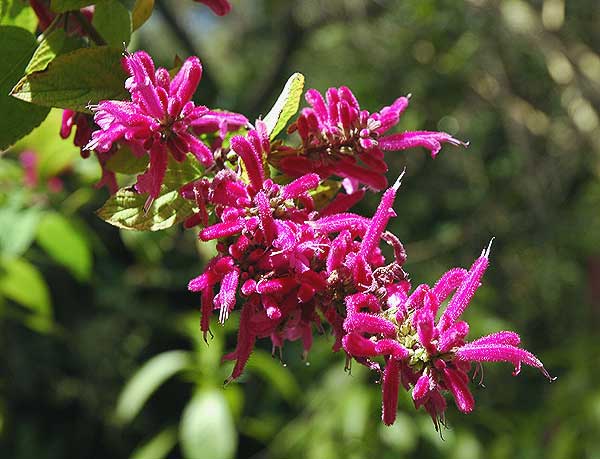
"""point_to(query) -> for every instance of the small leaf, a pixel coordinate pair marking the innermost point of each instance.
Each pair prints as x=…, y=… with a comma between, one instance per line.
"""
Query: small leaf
x=142, y=11
x=126, y=208
x=325, y=192
x=17, y=117
x=286, y=105
x=206, y=429
x=21, y=282
x=60, y=6
x=55, y=43
x=76, y=79
x=18, y=228
x=18, y=13
x=158, y=447
x=125, y=162
x=146, y=380
x=65, y=245
x=113, y=21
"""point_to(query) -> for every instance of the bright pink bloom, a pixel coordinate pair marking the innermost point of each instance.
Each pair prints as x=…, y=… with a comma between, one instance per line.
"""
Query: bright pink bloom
x=156, y=121
x=338, y=138
x=219, y=7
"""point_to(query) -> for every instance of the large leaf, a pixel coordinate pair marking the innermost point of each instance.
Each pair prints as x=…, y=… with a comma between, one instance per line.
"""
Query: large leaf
x=55, y=43
x=18, y=227
x=65, y=244
x=275, y=374
x=147, y=379
x=126, y=208
x=76, y=79
x=158, y=447
x=125, y=162
x=17, y=118
x=21, y=282
x=286, y=105
x=141, y=12
x=60, y=6
x=113, y=21
x=18, y=13
x=207, y=429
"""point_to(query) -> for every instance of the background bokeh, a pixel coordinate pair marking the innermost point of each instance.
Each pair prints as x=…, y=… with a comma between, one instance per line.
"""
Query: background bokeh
x=101, y=354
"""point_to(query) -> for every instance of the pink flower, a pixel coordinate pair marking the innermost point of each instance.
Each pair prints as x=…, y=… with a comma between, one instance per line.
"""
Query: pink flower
x=219, y=7
x=431, y=358
x=338, y=138
x=156, y=121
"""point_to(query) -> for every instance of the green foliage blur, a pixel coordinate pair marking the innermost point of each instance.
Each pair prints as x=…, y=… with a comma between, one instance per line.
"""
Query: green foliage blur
x=102, y=356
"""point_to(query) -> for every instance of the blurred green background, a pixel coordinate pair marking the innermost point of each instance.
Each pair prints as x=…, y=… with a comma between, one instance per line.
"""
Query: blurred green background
x=101, y=353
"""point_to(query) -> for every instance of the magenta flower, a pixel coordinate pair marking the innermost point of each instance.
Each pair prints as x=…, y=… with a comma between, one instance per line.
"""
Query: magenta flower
x=431, y=358
x=156, y=121
x=338, y=138
x=219, y=7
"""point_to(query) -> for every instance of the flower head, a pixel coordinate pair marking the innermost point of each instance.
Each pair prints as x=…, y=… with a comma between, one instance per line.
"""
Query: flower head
x=339, y=138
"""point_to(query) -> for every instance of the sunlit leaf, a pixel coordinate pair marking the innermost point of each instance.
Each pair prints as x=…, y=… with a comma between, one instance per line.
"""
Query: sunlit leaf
x=126, y=208
x=21, y=282
x=142, y=11
x=125, y=162
x=286, y=105
x=113, y=22
x=65, y=244
x=55, y=43
x=76, y=79
x=17, y=47
x=158, y=447
x=18, y=13
x=207, y=429
x=18, y=227
x=146, y=380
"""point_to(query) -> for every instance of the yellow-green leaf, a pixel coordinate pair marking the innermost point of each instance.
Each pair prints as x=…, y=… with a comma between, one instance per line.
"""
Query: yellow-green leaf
x=286, y=105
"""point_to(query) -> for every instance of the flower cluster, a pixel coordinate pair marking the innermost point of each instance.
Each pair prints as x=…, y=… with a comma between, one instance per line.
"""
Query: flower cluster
x=290, y=262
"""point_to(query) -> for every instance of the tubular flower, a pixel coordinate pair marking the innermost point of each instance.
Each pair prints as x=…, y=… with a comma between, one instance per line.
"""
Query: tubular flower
x=338, y=138
x=430, y=358
x=219, y=7
x=156, y=121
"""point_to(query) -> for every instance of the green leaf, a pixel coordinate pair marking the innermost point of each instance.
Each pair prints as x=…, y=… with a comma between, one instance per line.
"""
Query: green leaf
x=141, y=12
x=55, y=43
x=125, y=162
x=113, y=21
x=158, y=447
x=286, y=105
x=17, y=117
x=18, y=13
x=54, y=153
x=275, y=374
x=18, y=227
x=60, y=6
x=206, y=428
x=63, y=242
x=325, y=192
x=126, y=208
x=22, y=282
x=146, y=380
x=76, y=79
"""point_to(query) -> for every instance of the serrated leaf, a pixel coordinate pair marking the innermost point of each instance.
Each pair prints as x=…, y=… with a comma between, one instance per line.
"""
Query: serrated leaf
x=18, y=13
x=113, y=21
x=21, y=282
x=286, y=105
x=125, y=162
x=17, y=118
x=126, y=208
x=142, y=10
x=55, y=43
x=207, y=429
x=63, y=242
x=146, y=380
x=76, y=79
x=158, y=447
x=60, y=6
